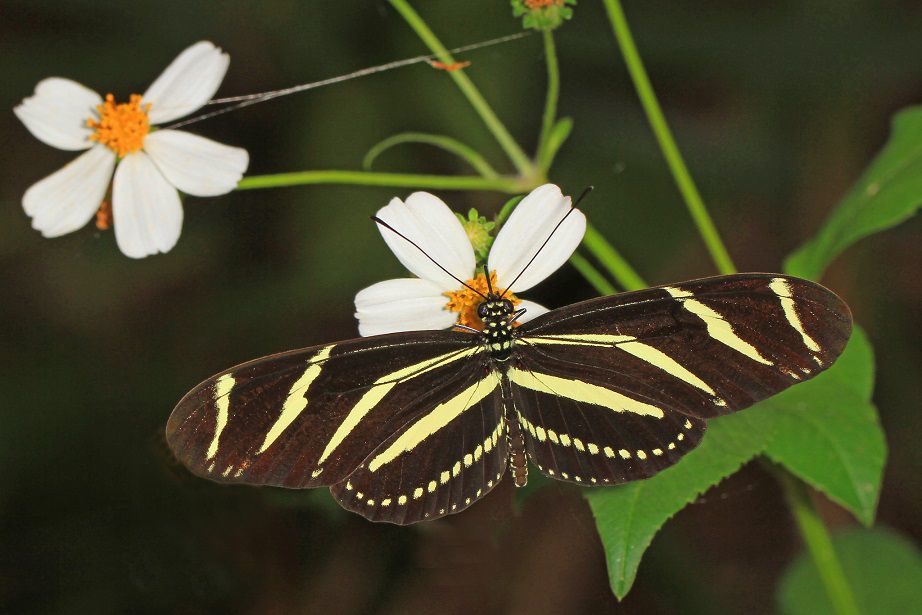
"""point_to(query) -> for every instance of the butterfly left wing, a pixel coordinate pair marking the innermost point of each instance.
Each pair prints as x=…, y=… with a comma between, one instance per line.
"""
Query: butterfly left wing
x=617, y=388
x=309, y=418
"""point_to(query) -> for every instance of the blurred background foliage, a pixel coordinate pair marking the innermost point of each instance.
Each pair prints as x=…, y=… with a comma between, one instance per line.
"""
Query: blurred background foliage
x=778, y=107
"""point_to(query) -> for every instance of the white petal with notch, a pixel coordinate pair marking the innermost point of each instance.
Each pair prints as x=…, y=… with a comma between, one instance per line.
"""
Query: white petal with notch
x=146, y=209
x=187, y=83
x=405, y=304
x=194, y=164
x=526, y=229
x=57, y=112
x=67, y=199
x=428, y=221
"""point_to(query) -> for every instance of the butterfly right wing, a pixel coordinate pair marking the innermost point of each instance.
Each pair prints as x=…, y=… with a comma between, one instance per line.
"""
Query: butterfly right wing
x=618, y=388
x=310, y=417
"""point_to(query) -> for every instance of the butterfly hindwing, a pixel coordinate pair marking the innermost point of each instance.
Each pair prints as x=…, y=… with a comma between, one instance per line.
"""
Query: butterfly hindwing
x=634, y=367
x=592, y=434
x=450, y=453
x=309, y=417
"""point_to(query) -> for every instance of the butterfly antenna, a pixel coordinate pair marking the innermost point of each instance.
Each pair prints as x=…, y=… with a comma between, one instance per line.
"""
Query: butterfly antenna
x=579, y=199
x=416, y=245
x=486, y=275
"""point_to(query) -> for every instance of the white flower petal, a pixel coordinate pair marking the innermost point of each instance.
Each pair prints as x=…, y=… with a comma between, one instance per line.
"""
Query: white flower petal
x=532, y=310
x=57, y=113
x=67, y=199
x=194, y=164
x=406, y=304
x=428, y=221
x=526, y=229
x=146, y=210
x=187, y=83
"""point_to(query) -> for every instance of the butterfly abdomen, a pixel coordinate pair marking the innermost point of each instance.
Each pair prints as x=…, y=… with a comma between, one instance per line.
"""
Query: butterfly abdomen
x=518, y=461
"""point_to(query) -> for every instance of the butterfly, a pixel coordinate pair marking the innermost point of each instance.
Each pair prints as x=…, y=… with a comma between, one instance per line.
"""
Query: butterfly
x=410, y=426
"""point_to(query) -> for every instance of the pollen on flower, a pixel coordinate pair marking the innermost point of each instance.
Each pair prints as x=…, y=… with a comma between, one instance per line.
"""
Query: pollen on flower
x=537, y=4
x=121, y=127
x=465, y=301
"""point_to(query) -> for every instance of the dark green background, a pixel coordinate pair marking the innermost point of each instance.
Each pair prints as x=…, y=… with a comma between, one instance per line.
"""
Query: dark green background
x=777, y=106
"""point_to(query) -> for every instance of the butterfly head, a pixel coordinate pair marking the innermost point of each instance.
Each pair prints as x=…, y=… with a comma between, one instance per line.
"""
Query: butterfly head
x=497, y=315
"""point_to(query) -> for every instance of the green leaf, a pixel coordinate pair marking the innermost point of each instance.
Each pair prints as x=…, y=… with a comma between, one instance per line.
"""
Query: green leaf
x=824, y=430
x=888, y=192
x=628, y=516
x=555, y=140
x=446, y=143
x=884, y=571
x=827, y=432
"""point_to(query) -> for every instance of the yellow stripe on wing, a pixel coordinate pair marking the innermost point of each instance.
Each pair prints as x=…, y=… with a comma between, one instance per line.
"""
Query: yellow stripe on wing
x=436, y=419
x=583, y=392
x=644, y=352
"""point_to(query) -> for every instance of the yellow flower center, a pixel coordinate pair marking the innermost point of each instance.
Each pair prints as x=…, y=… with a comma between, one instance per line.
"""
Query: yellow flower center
x=122, y=127
x=465, y=301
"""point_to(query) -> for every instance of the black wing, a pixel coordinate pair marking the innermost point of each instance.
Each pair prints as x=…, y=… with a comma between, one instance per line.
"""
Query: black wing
x=451, y=453
x=314, y=417
x=617, y=388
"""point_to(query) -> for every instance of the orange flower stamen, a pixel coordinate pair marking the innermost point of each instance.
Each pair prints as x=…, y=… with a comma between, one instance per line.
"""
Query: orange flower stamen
x=104, y=215
x=121, y=127
x=537, y=4
x=465, y=301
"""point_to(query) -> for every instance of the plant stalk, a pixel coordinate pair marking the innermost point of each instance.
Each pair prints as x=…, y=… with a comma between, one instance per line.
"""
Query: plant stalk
x=818, y=542
x=592, y=275
x=510, y=185
x=463, y=151
x=616, y=264
x=467, y=87
x=553, y=93
x=667, y=143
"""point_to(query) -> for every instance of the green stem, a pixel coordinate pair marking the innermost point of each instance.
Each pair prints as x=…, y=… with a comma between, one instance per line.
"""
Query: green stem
x=816, y=536
x=504, y=213
x=467, y=87
x=680, y=173
x=592, y=275
x=448, y=144
x=553, y=92
x=616, y=265
x=511, y=185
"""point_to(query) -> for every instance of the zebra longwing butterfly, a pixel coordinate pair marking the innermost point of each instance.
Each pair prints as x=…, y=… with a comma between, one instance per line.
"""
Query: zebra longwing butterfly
x=410, y=426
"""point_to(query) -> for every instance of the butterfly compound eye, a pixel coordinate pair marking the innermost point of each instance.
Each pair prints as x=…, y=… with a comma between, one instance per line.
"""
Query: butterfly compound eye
x=482, y=310
x=507, y=305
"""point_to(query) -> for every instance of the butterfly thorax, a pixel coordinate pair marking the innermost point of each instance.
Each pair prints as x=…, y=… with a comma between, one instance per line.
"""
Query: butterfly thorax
x=497, y=316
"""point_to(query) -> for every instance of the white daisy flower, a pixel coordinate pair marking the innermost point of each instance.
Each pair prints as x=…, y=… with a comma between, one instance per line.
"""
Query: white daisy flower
x=433, y=300
x=149, y=166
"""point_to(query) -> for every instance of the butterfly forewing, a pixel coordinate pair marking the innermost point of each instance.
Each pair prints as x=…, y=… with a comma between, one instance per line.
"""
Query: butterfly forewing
x=309, y=417
x=637, y=371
